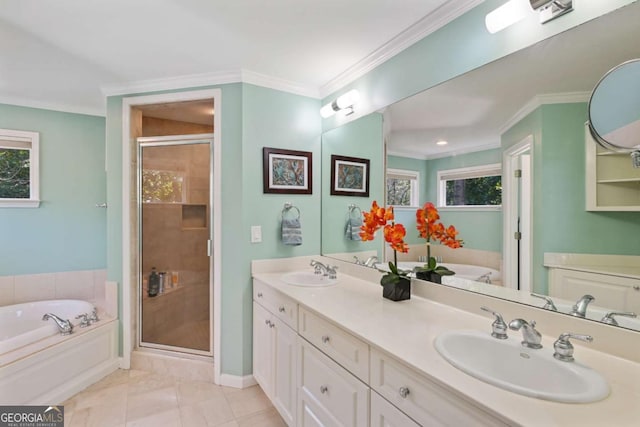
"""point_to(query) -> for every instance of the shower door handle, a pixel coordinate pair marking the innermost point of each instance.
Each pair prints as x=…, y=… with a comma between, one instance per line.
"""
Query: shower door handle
x=209, y=247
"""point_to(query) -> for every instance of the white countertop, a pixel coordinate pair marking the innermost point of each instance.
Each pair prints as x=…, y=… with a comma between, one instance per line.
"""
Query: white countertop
x=407, y=330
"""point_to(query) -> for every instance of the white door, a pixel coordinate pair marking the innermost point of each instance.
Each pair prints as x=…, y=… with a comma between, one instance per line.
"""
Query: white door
x=262, y=350
x=285, y=371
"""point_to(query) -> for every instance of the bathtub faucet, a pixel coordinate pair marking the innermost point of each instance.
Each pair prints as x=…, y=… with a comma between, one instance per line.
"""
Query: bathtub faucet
x=485, y=278
x=65, y=326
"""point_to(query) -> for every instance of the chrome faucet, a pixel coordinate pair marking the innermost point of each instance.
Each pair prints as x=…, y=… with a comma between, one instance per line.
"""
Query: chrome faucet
x=371, y=261
x=610, y=320
x=84, y=320
x=549, y=302
x=563, y=347
x=580, y=307
x=485, y=278
x=93, y=317
x=499, y=328
x=325, y=270
x=530, y=337
x=64, y=325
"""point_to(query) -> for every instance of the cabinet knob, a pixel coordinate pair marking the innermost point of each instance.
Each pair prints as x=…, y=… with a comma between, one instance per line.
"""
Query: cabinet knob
x=272, y=325
x=636, y=287
x=325, y=339
x=281, y=309
x=259, y=294
x=268, y=323
x=404, y=392
x=324, y=389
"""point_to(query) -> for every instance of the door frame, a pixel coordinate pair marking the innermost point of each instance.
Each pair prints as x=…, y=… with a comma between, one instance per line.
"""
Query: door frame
x=510, y=206
x=129, y=289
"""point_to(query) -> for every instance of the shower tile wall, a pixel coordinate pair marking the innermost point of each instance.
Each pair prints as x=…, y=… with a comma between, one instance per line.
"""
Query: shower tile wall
x=175, y=240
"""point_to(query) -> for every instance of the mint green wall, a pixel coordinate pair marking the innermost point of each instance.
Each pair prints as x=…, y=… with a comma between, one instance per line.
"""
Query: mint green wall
x=67, y=231
x=252, y=117
x=460, y=46
x=361, y=138
x=480, y=230
x=560, y=220
x=407, y=216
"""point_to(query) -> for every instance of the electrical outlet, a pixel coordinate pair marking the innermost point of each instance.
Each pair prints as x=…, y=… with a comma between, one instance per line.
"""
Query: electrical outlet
x=256, y=234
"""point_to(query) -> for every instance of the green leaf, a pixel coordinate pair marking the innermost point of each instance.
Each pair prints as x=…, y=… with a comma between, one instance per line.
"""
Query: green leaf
x=432, y=263
x=444, y=271
x=389, y=279
x=393, y=268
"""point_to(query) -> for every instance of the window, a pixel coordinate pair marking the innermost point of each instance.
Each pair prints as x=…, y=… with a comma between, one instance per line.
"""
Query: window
x=402, y=187
x=19, y=183
x=479, y=186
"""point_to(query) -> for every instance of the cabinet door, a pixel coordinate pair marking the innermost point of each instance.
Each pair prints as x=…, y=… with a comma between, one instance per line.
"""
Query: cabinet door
x=329, y=394
x=262, y=349
x=384, y=414
x=285, y=371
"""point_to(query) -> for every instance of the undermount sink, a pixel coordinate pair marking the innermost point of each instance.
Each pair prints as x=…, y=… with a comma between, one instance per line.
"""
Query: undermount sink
x=509, y=365
x=307, y=278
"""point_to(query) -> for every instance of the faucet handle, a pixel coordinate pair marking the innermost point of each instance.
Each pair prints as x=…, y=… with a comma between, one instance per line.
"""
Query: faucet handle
x=499, y=328
x=84, y=320
x=563, y=347
x=93, y=317
x=610, y=320
x=549, y=302
x=331, y=271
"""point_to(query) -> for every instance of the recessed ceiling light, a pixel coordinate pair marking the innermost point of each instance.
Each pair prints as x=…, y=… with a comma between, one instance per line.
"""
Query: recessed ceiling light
x=442, y=142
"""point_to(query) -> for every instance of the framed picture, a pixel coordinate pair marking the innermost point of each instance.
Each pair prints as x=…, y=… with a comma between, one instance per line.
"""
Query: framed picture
x=349, y=176
x=286, y=171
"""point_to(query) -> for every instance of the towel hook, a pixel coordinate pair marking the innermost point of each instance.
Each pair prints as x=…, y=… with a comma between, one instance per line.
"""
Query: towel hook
x=354, y=208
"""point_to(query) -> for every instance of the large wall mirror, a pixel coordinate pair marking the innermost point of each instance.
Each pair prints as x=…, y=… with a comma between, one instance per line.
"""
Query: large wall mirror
x=522, y=115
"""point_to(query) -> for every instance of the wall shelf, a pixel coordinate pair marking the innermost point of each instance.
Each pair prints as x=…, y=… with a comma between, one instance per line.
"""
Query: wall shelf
x=612, y=183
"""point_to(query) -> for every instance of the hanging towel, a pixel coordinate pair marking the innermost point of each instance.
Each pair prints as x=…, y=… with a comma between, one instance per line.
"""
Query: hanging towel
x=291, y=232
x=352, y=231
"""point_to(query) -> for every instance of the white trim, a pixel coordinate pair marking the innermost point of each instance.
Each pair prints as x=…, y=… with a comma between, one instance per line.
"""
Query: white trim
x=127, y=103
x=210, y=79
x=510, y=209
x=470, y=208
x=416, y=32
x=53, y=106
x=538, y=100
x=411, y=175
x=237, y=381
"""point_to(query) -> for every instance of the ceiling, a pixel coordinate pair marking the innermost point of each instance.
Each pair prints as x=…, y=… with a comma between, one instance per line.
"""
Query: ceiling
x=471, y=111
x=61, y=53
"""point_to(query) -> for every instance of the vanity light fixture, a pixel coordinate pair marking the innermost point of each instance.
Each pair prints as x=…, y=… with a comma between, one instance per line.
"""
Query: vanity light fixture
x=506, y=15
x=515, y=10
x=343, y=103
x=442, y=142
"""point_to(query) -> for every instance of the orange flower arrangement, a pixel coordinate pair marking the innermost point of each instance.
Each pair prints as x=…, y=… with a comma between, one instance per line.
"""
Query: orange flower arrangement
x=430, y=228
x=393, y=234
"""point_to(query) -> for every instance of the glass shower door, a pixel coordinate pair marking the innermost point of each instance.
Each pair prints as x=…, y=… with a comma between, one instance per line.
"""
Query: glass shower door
x=174, y=183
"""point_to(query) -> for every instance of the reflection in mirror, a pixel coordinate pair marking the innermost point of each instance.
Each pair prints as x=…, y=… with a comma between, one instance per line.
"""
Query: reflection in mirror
x=342, y=214
x=528, y=112
x=614, y=110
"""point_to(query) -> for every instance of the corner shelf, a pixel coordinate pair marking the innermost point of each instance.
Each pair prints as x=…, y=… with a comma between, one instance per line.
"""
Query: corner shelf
x=612, y=183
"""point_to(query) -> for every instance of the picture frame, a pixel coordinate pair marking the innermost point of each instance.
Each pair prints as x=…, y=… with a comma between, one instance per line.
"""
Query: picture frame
x=349, y=176
x=286, y=171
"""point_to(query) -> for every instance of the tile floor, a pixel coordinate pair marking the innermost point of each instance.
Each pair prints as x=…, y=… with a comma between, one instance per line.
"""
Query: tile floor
x=133, y=398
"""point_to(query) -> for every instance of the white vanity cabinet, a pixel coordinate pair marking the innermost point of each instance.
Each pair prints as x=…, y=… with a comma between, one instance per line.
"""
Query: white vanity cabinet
x=614, y=292
x=328, y=395
x=384, y=414
x=422, y=399
x=275, y=353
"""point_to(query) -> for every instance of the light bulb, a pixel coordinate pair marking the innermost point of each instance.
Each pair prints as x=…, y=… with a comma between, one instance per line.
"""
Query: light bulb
x=348, y=99
x=506, y=15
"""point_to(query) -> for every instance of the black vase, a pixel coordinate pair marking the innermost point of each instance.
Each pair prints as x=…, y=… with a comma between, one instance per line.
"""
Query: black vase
x=431, y=276
x=398, y=291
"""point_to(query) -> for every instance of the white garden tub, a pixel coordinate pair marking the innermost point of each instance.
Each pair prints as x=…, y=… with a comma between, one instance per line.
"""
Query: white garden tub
x=463, y=271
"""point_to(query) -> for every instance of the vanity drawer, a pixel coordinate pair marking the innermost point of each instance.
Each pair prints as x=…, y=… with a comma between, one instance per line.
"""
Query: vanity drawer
x=384, y=414
x=423, y=400
x=327, y=393
x=281, y=306
x=341, y=346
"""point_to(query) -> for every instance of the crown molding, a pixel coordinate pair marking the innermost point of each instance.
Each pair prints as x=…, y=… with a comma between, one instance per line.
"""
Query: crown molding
x=210, y=79
x=172, y=83
x=53, y=106
x=276, y=83
x=416, y=32
x=538, y=100
x=461, y=151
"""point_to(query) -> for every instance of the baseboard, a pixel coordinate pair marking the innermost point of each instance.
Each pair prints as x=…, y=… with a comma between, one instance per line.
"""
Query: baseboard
x=237, y=381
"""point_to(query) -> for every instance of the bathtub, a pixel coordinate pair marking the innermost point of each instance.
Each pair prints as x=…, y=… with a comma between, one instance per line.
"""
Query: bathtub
x=38, y=366
x=22, y=324
x=463, y=271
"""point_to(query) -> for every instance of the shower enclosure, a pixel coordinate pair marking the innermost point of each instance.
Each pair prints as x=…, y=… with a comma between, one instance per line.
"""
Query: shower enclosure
x=175, y=268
